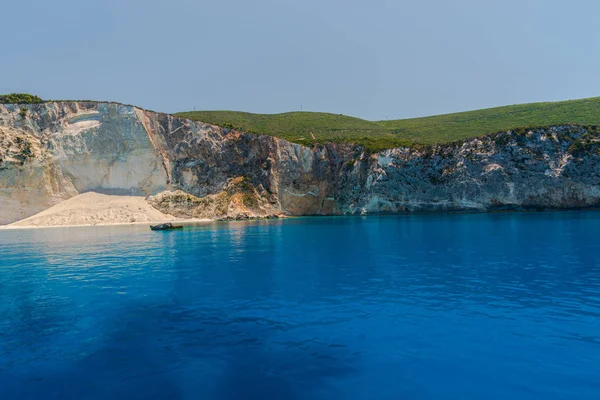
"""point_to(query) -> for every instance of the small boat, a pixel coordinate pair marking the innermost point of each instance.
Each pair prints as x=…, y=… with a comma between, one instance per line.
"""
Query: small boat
x=165, y=227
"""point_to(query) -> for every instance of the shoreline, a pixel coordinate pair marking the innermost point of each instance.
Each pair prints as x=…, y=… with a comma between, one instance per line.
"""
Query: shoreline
x=96, y=209
x=184, y=222
x=206, y=221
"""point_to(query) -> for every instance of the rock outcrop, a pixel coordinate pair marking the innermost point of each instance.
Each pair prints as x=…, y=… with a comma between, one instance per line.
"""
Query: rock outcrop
x=30, y=178
x=238, y=200
x=59, y=149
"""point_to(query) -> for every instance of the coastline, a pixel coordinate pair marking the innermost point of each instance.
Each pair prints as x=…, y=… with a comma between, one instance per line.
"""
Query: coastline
x=96, y=209
x=206, y=221
x=184, y=222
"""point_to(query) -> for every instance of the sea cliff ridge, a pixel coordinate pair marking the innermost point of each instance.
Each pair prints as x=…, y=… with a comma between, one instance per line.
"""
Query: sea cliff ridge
x=189, y=169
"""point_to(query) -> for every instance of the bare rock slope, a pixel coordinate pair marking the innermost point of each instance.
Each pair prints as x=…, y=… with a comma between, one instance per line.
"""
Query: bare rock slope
x=60, y=149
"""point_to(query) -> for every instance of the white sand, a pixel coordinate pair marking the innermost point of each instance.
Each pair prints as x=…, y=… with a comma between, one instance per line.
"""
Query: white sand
x=92, y=208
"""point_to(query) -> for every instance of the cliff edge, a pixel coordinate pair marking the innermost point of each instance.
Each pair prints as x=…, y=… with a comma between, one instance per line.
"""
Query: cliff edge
x=56, y=150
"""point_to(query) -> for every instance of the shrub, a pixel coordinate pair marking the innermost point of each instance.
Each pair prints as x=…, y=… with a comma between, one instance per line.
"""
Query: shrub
x=23, y=112
x=19, y=98
x=502, y=139
x=581, y=147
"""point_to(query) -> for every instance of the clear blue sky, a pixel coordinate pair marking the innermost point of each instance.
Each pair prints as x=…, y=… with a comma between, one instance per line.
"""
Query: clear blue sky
x=368, y=58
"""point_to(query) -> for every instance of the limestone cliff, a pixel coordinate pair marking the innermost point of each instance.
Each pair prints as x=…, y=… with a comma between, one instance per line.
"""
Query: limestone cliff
x=60, y=149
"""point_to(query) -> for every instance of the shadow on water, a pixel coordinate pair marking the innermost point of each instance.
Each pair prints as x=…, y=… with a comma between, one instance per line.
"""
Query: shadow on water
x=118, y=369
x=160, y=351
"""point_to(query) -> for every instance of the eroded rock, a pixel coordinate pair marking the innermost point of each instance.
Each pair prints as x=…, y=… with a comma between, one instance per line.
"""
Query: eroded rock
x=240, y=199
x=60, y=149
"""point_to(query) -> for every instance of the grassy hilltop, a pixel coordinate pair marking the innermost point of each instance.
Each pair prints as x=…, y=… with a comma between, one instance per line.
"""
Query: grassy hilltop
x=310, y=127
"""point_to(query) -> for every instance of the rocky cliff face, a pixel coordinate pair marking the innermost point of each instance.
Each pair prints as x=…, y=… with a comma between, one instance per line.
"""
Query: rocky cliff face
x=60, y=149
x=240, y=199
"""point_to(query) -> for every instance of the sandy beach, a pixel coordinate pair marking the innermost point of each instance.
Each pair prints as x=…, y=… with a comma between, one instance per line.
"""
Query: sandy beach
x=96, y=209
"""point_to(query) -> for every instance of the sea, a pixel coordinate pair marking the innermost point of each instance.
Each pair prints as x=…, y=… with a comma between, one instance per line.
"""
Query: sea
x=458, y=306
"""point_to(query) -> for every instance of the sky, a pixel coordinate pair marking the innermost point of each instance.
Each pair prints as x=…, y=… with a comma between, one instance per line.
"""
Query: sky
x=374, y=59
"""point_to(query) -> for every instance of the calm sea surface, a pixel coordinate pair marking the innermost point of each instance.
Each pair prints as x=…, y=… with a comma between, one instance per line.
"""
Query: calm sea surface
x=497, y=306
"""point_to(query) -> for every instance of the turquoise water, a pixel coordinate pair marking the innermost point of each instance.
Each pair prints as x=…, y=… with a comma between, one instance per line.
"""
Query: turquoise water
x=497, y=306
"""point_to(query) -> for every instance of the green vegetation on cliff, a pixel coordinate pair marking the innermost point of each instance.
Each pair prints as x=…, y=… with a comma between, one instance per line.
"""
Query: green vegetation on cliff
x=310, y=128
x=451, y=127
x=19, y=98
x=302, y=127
